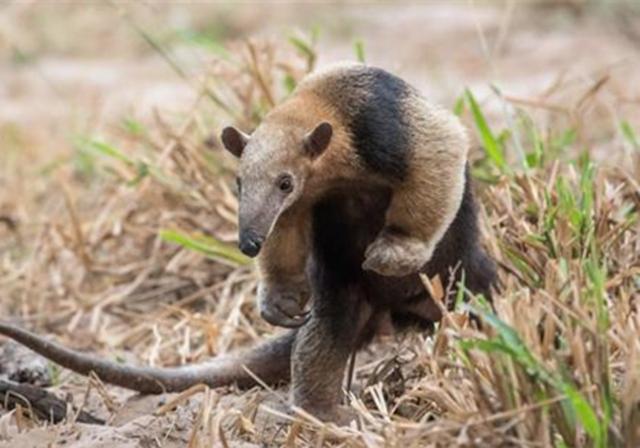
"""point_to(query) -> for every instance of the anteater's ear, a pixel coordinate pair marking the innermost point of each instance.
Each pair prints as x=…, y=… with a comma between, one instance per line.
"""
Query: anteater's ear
x=234, y=140
x=316, y=141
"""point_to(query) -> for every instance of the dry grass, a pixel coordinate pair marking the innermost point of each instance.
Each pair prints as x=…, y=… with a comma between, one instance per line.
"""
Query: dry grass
x=143, y=265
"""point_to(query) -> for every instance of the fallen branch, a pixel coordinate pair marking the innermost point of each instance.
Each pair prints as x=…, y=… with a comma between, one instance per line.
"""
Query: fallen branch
x=42, y=404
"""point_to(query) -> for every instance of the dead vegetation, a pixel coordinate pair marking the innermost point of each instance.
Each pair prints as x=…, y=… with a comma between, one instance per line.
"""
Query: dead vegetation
x=132, y=254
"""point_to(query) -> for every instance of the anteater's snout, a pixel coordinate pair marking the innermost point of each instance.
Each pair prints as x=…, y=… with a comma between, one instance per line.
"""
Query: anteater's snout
x=250, y=243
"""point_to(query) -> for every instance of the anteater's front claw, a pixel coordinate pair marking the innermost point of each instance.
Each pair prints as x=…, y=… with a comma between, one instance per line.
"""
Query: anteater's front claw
x=275, y=315
x=396, y=255
x=283, y=305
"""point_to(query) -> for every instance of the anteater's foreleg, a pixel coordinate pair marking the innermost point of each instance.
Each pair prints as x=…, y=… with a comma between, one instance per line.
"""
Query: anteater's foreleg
x=422, y=208
x=283, y=290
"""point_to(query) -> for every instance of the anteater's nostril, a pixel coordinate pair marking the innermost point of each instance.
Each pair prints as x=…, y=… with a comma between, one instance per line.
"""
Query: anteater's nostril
x=250, y=245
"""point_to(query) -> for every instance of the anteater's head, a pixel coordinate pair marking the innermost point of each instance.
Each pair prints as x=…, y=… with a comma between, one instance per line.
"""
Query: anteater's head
x=275, y=162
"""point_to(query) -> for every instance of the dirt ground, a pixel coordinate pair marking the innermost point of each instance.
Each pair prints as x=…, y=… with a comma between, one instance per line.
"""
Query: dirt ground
x=68, y=72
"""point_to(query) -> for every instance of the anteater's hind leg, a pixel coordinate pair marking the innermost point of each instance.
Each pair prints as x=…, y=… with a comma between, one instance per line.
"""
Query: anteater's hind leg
x=320, y=354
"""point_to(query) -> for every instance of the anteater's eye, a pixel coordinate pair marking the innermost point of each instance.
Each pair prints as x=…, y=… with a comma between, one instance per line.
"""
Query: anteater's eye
x=238, y=185
x=285, y=183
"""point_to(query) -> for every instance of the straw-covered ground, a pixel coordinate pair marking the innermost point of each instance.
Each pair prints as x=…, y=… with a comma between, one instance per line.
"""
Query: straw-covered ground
x=118, y=218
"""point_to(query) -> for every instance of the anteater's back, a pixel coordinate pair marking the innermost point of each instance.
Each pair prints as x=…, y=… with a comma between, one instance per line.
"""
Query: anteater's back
x=379, y=110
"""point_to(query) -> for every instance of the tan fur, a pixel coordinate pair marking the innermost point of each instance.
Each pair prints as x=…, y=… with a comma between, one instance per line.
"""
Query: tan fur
x=423, y=205
x=281, y=256
x=339, y=163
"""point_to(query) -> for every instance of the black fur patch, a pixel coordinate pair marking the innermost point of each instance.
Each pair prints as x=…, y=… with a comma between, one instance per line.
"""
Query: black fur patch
x=341, y=232
x=343, y=226
x=370, y=101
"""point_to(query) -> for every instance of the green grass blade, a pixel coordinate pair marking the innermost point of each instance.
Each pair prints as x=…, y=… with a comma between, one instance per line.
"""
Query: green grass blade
x=302, y=46
x=207, y=246
x=458, y=107
x=109, y=151
x=358, y=46
x=491, y=144
x=630, y=134
x=585, y=414
x=289, y=83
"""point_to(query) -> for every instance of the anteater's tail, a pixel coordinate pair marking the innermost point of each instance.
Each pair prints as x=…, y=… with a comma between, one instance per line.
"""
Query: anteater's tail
x=269, y=362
